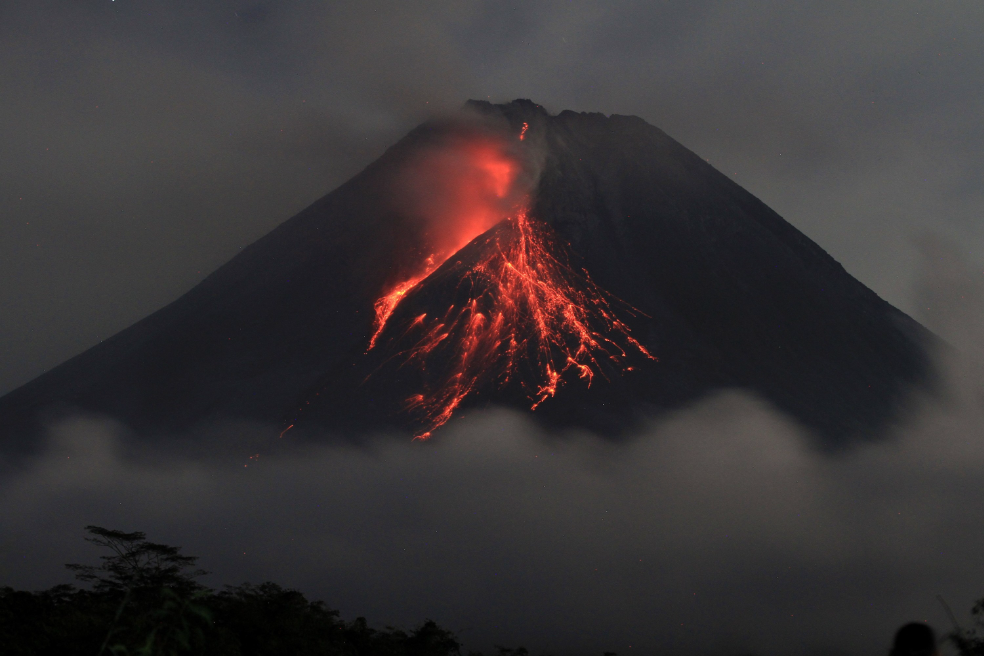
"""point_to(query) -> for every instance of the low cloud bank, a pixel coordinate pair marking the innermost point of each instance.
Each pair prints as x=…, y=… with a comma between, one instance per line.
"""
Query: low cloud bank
x=718, y=530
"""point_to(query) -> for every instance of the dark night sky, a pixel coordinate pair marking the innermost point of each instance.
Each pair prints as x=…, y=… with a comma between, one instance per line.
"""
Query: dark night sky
x=142, y=144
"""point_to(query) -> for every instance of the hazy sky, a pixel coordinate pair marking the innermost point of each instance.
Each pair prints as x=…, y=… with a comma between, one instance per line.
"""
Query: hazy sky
x=145, y=142
x=142, y=144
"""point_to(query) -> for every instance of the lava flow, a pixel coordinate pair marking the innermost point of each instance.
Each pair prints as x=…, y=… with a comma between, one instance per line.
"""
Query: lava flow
x=529, y=319
x=385, y=305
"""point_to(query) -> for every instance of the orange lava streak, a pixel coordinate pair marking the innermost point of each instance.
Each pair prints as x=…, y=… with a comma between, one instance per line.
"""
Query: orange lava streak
x=530, y=318
x=385, y=305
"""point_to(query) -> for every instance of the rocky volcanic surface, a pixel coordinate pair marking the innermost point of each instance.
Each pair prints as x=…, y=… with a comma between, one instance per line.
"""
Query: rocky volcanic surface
x=729, y=294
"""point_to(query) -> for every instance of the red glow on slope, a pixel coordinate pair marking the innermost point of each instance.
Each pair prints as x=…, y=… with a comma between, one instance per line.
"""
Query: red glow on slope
x=458, y=190
x=530, y=318
x=522, y=133
x=461, y=190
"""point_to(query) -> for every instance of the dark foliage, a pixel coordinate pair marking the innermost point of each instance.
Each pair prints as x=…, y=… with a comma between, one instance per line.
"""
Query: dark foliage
x=62, y=620
x=135, y=564
x=267, y=619
x=144, y=601
x=970, y=642
x=261, y=620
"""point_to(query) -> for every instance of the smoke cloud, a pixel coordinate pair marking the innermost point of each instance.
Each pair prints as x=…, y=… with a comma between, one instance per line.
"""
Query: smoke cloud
x=463, y=185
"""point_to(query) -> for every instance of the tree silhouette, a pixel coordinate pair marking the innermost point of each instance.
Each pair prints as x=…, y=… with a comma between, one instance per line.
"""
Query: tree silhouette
x=136, y=564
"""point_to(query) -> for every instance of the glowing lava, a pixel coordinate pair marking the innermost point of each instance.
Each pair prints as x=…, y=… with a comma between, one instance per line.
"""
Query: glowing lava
x=529, y=319
x=385, y=305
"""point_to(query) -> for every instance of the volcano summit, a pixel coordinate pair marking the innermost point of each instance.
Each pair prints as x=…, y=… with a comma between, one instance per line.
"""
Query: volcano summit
x=586, y=268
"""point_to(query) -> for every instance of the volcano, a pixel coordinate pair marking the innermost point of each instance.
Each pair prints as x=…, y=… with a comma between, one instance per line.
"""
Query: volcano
x=585, y=268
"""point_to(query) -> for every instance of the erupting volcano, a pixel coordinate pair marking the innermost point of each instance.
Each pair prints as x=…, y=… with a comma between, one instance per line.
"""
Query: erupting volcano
x=585, y=268
x=521, y=314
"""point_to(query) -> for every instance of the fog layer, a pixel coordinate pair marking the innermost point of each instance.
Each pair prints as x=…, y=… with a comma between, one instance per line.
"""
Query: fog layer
x=718, y=530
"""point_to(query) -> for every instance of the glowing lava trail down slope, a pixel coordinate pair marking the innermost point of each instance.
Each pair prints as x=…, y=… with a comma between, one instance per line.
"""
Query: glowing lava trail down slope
x=527, y=317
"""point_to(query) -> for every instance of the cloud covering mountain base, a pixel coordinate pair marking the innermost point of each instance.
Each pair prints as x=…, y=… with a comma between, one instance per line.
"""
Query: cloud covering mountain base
x=717, y=530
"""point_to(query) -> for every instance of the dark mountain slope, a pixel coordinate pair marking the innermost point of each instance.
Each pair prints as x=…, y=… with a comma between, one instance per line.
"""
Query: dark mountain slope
x=729, y=294
x=738, y=295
